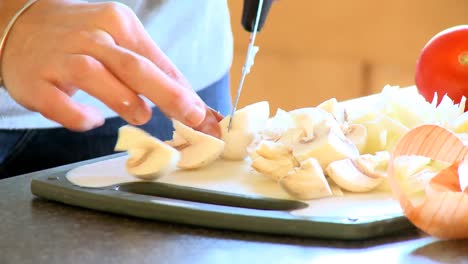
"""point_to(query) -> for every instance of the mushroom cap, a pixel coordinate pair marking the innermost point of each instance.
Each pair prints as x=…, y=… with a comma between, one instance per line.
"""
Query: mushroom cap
x=200, y=154
x=347, y=176
x=149, y=158
x=199, y=150
x=153, y=162
x=307, y=181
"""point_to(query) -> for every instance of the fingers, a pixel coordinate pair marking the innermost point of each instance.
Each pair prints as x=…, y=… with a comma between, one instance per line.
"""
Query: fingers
x=129, y=32
x=92, y=77
x=144, y=77
x=210, y=124
x=147, y=48
x=57, y=106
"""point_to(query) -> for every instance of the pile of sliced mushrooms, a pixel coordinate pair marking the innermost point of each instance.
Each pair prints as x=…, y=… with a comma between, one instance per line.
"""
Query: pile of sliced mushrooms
x=311, y=152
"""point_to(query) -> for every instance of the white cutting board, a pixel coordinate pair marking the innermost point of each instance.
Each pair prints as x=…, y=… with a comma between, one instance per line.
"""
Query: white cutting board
x=238, y=177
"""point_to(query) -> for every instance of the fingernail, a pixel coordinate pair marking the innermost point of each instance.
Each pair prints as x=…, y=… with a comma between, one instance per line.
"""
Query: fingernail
x=142, y=114
x=211, y=129
x=195, y=115
x=217, y=115
x=210, y=125
x=136, y=113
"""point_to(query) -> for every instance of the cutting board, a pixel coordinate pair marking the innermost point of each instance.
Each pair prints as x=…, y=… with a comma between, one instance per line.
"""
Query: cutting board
x=226, y=195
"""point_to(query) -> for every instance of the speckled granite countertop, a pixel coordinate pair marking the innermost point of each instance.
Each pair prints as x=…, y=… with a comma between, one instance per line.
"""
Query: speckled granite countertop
x=34, y=230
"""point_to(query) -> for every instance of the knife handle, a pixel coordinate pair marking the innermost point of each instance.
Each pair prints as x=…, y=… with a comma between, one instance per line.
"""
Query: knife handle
x=249, y=14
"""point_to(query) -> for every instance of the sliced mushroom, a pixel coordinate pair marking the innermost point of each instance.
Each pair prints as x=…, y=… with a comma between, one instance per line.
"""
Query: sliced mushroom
x=373, y=165
x=292, y=136
x=326, y=148
x=349, y=177
x=313, y=120
x=237, y=143
x=333, y=107
x=273, y=159
x=307, y=181
x=322, y=138
x=149, y=158
x=272, y=150
x=277, y=125
x=197, y=149
x=336, y=190
x=247, y=122
x=177, y=141
x=274, y=168
x=357, y=134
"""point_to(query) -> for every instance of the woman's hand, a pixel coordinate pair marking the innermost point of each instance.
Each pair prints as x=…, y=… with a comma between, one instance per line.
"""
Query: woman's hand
x=59, y=46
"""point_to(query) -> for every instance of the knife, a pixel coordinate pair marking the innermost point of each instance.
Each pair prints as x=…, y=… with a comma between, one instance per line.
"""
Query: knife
x=252, y=15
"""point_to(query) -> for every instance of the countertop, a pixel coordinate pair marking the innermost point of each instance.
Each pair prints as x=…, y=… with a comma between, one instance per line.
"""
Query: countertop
x=34, y=230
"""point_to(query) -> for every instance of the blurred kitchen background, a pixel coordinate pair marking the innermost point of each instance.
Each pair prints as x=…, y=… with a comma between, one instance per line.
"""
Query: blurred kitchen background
x=313, y=50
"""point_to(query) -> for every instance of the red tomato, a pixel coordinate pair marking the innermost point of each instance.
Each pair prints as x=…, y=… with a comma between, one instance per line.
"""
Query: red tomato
x=442, y=66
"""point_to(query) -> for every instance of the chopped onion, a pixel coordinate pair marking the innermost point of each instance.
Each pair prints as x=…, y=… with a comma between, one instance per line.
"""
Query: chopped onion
x=442, y=211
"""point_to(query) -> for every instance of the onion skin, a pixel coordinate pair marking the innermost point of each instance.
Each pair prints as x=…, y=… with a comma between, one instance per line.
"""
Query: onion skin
x=444, y=211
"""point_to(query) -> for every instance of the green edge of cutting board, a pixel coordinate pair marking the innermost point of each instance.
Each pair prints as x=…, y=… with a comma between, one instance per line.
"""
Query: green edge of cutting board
x=212, y=209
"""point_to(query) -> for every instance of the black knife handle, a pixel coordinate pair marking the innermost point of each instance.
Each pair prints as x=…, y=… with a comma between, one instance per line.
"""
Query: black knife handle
x=249, y=14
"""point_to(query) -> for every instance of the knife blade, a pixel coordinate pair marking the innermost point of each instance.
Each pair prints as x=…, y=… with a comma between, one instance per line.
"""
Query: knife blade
x=249, y=61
